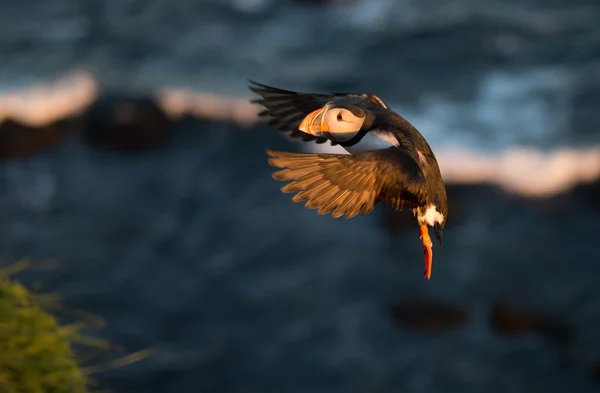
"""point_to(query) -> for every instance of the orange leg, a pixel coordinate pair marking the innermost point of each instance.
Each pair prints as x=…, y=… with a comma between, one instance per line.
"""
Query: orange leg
x=428, y=253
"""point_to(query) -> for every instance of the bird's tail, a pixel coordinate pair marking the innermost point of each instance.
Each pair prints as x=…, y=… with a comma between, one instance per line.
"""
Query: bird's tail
x=439, y=232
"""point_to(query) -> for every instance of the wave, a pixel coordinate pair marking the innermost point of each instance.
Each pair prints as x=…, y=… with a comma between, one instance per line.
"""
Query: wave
x=180, y=102
x=42, y=103
x=527, y=171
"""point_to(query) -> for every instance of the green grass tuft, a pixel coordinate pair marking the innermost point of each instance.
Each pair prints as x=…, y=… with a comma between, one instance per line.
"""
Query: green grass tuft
x=36, y=352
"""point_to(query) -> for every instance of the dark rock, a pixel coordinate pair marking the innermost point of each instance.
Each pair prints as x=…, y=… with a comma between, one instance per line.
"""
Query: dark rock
x=18, y=140
x=427, y=315
x=589, y=193
x=126, y=123
x=513, y=322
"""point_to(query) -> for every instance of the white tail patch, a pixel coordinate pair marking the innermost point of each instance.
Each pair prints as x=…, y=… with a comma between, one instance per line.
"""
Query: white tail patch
x=431, y=216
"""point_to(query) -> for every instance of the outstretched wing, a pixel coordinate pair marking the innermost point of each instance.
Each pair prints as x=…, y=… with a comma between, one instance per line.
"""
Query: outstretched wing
x=349, y=185
x=286, y=108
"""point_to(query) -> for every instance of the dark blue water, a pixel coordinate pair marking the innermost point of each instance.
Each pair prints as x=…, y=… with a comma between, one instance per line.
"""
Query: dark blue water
x=193, y=250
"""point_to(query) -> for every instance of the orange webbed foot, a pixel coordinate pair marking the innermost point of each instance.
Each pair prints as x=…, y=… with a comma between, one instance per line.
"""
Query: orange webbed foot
x=427, y=252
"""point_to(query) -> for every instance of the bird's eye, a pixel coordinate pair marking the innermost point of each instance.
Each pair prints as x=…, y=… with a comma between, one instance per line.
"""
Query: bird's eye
x=339, y=116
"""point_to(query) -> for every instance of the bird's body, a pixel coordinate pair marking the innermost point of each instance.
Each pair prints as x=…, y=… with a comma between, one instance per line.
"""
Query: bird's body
x=404, y=173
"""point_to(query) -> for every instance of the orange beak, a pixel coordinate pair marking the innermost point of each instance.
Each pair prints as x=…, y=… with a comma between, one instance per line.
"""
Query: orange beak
x=313, y=123
x=427, y=252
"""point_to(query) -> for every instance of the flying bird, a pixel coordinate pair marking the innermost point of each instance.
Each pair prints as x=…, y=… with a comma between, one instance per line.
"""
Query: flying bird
x=404, y=173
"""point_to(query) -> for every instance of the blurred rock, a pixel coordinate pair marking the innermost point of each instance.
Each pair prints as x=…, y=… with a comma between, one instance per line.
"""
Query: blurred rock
x=427, y=315
x=126, y=123
x=590, y=193
x=512, y=321
x=18, y=140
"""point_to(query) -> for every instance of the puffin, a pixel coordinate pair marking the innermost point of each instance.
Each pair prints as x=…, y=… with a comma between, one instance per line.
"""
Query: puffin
x=401, y=170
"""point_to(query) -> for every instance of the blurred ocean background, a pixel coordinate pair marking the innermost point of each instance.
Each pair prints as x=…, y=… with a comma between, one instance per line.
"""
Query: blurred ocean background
x=164, y=220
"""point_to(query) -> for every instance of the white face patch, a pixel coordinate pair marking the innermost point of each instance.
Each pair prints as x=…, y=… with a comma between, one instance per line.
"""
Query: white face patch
x=373, y=140
x=431, y=216
x=339, y=124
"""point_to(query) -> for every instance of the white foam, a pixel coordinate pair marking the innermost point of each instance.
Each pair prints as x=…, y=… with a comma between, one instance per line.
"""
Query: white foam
x=179, y=102
x=530, y=172
x=526, y=171
x=40, y=104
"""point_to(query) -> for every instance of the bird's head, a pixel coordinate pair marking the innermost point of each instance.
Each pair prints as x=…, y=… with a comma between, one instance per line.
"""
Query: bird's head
x=338, y=122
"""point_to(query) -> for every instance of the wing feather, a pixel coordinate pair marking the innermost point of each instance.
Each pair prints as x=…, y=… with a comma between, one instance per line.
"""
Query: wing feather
x=287, y=109
x=349, y=185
